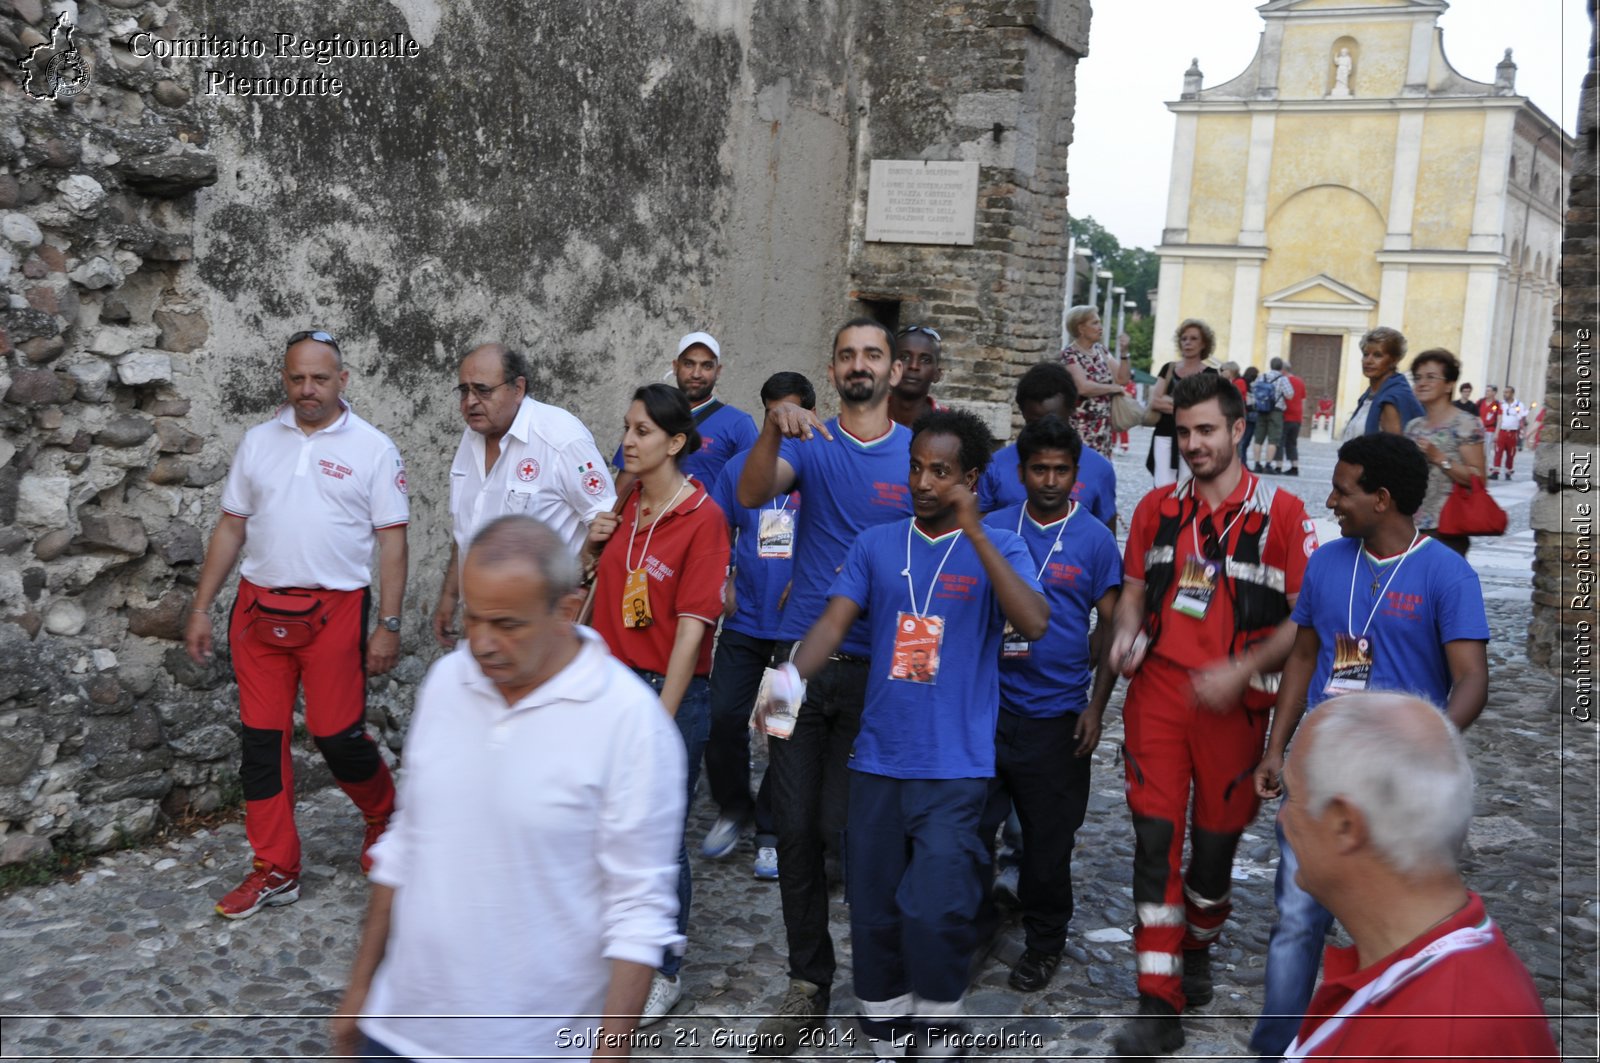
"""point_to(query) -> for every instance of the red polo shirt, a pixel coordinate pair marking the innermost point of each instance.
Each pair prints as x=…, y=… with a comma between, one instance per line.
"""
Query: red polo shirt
x=686, y=562
x=1473, y=1002
x=1294, y=410
x=1290, y=540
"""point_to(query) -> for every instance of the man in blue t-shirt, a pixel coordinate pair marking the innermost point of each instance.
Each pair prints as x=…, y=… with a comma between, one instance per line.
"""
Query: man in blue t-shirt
x=1049, y=720
x=1048, y=389
x=724, y=430
x=1383, y=608
x=763, y=551
x=852, y=472
x=935, y=592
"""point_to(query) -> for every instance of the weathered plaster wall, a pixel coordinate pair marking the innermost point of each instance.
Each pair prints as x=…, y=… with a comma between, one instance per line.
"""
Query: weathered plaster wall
x=586, y=181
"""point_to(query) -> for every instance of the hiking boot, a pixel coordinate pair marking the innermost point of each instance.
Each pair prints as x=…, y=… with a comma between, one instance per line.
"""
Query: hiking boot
x=265, y=887
x=664, y=993
x=1034, y=971
x=766, y=864
x=376, y=825
x=721, y=838
x=1156, y=1031
x=1196, y=977
x=804, y=1009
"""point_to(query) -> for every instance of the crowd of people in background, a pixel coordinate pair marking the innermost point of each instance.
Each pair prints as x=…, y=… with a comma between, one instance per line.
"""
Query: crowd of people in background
x=926, y=630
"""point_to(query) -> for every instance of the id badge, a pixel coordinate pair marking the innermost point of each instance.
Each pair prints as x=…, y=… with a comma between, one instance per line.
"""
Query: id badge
x=636, y=600
x=1196, y=584
x=775, y=536
x=917, y=641
x=1013, y=647
x=1352, y=664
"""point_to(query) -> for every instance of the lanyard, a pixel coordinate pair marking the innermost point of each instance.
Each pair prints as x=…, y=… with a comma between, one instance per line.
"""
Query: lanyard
x=778, y=507
x=1072, y=509
x=928, y=599
x=1355, y=569
x=1222, y=540
x=1467, y=937
x=627, y=551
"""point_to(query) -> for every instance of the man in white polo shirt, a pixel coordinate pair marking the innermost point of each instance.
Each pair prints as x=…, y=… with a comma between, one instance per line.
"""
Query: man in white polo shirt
x=516, y=456
x=523, y=899
x=308, y=494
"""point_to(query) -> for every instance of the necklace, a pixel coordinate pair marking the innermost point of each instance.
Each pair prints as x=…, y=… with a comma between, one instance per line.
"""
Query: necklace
x=646, y=507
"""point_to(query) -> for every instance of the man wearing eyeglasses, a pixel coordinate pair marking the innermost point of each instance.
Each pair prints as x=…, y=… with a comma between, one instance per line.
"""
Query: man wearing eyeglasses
x=1212, y=570
x=308, y=494
x=919, y=350
x=517, y=455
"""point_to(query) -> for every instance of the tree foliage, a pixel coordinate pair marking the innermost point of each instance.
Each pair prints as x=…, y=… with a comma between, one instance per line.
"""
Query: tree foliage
x=1134, y=268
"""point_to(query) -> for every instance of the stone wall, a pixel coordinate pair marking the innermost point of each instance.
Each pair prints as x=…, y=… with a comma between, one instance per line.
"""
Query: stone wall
x=585, y=181
x=1562, y=635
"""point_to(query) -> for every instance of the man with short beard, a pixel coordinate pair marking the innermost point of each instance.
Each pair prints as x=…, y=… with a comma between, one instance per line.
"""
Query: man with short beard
x=724, y=430
x=852, y=473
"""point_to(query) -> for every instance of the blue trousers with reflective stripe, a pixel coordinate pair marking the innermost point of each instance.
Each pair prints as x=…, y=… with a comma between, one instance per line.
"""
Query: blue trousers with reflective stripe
x=916, y=871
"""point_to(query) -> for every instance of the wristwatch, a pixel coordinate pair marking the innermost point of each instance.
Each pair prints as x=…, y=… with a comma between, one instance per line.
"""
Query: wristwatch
x=390, y=623
x=1444, y=463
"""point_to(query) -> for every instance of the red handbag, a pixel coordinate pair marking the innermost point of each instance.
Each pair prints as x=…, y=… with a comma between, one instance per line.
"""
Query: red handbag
x=1470, y=511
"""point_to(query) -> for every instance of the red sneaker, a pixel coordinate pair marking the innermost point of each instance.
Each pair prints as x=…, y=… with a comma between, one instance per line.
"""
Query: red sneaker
x=266, y=886
x=375, y=828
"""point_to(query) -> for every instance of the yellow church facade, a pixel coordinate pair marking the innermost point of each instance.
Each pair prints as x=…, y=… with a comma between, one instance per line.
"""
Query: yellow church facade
x=1350, y=178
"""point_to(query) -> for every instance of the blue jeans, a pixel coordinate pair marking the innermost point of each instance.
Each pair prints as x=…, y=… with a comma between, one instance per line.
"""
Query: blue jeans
x=694, y=724
x=1294, y=955
x=735, y=679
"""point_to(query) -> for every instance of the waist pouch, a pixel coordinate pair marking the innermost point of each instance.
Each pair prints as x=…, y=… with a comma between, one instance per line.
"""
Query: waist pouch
x=287, y=619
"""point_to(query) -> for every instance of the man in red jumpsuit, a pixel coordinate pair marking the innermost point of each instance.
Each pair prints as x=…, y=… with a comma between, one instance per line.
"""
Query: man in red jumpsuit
x=1212, y=570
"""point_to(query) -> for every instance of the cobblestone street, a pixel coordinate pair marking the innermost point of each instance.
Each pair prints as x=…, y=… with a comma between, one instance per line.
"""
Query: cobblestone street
x=129, y=960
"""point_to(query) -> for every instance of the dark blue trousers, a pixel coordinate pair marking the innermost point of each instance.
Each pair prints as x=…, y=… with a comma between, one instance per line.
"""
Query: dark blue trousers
x=916, y=871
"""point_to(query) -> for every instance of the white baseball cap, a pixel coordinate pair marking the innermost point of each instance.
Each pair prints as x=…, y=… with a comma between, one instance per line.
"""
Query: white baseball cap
x=701, y=339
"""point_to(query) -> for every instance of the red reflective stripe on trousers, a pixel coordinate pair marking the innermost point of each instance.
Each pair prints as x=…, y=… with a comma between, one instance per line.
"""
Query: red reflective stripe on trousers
x=1174, y=747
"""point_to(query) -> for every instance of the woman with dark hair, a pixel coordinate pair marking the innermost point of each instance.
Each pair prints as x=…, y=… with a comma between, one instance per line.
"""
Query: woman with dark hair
x=1195, y=342
x=658, y=594
x=1388, y=404
x=1244, y=382
x=1451, y=440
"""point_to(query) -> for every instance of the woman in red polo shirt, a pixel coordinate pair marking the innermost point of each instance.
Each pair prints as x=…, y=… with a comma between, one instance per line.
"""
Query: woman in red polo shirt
x=658, y=594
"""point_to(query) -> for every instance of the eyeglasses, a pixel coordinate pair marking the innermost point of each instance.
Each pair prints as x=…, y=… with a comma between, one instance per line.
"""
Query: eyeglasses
x=482, y=391
x=924, y=329
x=312, y=334
x=1426, y=378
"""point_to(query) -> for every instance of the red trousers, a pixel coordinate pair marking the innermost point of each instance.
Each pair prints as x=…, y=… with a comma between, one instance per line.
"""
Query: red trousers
x=333, y=674
x=1505, y=442
x=1173, y=747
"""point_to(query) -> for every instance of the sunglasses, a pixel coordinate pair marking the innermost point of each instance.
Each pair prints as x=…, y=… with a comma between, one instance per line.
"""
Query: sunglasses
x=924, y=329
x=312, y=334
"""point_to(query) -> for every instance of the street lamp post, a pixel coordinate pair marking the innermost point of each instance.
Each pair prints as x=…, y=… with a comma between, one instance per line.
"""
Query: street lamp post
x=1105, y=315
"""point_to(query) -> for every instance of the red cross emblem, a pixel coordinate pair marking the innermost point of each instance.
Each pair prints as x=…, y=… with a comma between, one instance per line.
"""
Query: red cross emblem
x=594, y=483
x=528, y=470
x=400, y=481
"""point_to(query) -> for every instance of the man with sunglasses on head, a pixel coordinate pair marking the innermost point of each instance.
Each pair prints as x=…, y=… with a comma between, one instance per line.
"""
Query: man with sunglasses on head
x=308, y=494
x=517, y=456
x=918, y=349
x=1211, y=571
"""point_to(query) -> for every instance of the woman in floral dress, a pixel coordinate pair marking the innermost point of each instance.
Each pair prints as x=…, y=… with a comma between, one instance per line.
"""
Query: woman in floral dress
x=1098, y=375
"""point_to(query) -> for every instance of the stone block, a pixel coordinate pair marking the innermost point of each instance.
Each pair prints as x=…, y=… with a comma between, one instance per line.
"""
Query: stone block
x=176, y=439
x=170, y=472
x=52, y=544
x=83, y=194
x=26, y=323
x=65, y=618
x=97, y=273
x=164, y=406
x=186, y=673
x=125, y=430
x=42, y=501
x=144, y=367
x=110, y=531
x=205, y=476
x=42, y=349
x=182, y=331
x=40, y=387
x=168, y=176
x=101, y=827
x=21, y=230
x=171, y=94
x=164, y=620
x=21, y=848
x=52, y=257
x=179, y=543
x=93, y=380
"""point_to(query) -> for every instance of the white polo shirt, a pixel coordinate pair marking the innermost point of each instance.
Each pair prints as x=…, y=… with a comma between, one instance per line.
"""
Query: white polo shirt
x=311, y=503
x=548, y=469
x=1512, y=414
x=534, y=843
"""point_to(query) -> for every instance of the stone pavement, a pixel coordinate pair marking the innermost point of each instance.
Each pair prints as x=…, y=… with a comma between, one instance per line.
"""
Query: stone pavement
x=128, y=960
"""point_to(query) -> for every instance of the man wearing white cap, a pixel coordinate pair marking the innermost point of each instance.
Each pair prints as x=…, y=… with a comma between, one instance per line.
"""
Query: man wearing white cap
x=724, y=430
